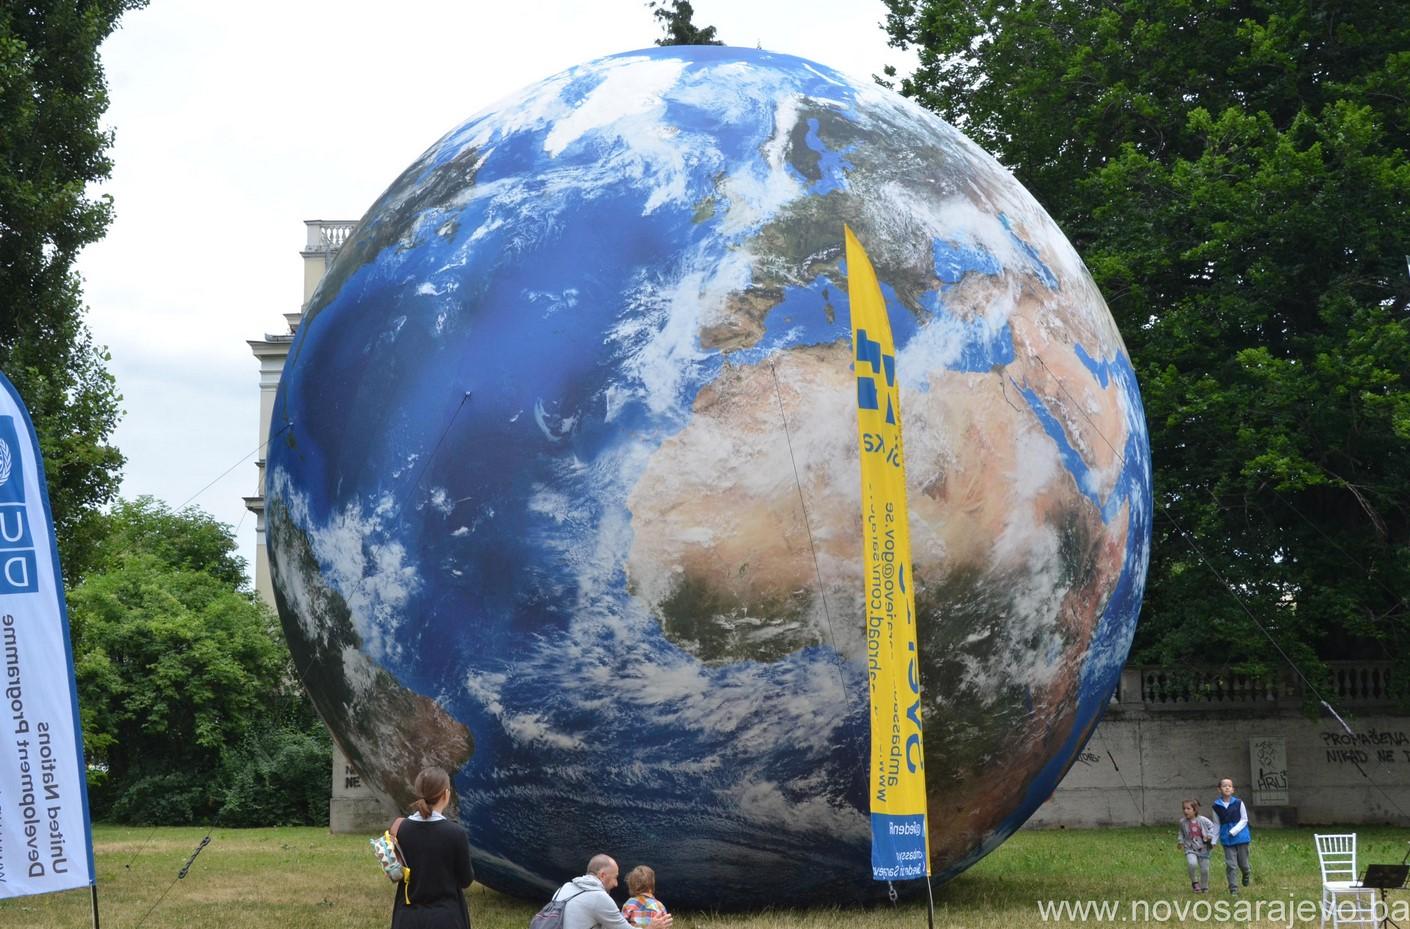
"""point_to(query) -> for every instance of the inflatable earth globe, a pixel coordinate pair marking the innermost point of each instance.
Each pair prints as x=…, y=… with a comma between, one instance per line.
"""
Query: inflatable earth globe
x=563, y=488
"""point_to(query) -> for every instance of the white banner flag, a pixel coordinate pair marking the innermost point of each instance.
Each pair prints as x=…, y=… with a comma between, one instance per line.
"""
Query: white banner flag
x=46, y=839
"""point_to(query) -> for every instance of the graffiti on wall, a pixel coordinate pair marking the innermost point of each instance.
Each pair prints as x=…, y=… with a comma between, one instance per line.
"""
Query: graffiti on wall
x=1383, y=746
x=1268, y=763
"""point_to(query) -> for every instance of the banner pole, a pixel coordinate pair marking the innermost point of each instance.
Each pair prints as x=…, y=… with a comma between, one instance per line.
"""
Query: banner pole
x=94, y=888
x=929, y=905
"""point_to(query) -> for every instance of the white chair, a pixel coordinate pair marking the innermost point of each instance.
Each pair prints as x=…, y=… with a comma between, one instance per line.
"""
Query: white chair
x=1343, y=897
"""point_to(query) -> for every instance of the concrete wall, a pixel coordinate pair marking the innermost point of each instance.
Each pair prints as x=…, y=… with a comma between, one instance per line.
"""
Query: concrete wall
x=1145, y=758
x=355, y=807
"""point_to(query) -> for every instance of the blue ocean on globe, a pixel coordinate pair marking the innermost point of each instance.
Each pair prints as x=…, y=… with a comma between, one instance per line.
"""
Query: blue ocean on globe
x=563, y=488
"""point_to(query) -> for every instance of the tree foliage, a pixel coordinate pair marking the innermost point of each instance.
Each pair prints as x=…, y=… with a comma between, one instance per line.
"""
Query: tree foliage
x=279, y=775
x=185, y=540
x=675, y=18
x=1235, y=174
x=52, y=96
x=188, y=699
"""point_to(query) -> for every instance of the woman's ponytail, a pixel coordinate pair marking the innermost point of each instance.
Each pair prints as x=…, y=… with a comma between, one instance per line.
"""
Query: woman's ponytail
x=430, y=784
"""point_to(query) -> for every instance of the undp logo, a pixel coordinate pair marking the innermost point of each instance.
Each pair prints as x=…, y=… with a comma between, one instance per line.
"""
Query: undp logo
x=18, y=564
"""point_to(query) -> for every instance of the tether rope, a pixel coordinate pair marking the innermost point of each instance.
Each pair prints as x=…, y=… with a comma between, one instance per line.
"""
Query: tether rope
x=180, y=875
x=803, y=505
x=259, y=448
x=439, y=439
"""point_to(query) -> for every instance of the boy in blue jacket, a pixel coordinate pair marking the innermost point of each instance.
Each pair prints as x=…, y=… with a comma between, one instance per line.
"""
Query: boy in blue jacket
x=1233, y=833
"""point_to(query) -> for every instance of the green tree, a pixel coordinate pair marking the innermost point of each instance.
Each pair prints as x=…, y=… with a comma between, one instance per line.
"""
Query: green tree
x=675, y=18
x=1235, y=175
x=186, y=689
x=52, y=96
x=186, y=540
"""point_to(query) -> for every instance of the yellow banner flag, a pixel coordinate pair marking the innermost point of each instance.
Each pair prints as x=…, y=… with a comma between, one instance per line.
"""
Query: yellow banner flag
x=899, y=834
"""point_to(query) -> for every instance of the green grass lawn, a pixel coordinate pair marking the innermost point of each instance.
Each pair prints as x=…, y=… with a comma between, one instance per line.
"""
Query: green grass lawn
x=307, y=879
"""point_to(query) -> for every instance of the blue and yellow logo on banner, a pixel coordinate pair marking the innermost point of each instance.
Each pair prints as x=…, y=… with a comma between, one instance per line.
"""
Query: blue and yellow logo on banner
x=899, y=834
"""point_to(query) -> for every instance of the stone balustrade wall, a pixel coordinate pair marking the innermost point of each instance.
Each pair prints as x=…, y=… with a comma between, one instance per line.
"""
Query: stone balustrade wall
x=1171, y=735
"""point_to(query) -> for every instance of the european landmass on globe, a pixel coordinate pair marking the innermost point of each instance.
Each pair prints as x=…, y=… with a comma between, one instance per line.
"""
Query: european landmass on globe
x=531, y=513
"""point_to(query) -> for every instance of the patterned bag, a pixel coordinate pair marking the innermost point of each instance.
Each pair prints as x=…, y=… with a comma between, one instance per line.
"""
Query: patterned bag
x=389, y=856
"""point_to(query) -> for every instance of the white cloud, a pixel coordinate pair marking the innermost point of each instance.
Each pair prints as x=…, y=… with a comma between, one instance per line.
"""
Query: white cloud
x=373, y=574
x=632, y=87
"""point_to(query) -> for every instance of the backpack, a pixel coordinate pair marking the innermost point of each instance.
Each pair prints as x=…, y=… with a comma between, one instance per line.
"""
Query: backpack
x=389, y=856
x=551, y=916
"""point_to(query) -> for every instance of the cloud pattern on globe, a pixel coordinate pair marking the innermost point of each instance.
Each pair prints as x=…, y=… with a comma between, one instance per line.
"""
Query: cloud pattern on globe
x=563, y=488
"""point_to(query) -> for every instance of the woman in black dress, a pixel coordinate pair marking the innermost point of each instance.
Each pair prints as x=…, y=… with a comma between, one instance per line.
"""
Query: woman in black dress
x=437, y=852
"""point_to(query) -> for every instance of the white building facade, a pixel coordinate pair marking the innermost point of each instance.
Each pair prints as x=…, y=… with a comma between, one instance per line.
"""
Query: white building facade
x=353, y=806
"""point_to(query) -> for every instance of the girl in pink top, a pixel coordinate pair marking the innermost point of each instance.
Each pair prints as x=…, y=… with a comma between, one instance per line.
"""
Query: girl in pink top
x=1195, y=840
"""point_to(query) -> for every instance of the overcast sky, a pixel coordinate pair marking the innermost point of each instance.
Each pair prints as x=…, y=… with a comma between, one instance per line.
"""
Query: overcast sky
x=236, y=122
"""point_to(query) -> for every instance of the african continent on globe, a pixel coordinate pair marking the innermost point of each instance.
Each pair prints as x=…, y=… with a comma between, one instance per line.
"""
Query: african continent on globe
x=563, y=488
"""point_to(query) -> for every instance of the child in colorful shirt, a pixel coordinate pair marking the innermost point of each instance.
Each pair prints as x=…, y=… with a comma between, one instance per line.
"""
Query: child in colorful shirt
x=1196, y=838
x=643, y=907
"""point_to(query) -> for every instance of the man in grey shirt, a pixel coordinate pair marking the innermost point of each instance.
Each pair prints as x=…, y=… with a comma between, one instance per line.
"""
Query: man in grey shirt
x=590, y=905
